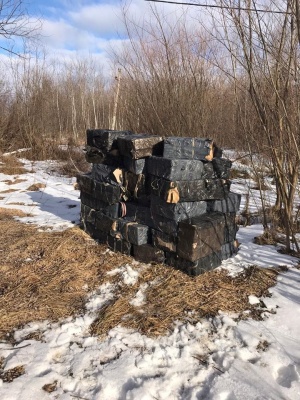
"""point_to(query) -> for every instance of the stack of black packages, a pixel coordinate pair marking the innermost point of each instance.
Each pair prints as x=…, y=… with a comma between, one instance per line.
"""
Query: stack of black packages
x=163, y=200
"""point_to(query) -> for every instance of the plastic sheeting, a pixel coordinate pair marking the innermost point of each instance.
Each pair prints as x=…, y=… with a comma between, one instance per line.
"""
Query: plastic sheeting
x=175, y=169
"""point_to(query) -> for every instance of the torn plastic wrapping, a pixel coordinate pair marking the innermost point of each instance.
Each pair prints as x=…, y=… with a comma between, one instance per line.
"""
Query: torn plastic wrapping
x=140, y=146
x=134, y=232
x=135, y=185
x=119, y=245
x=147, y=254
x=135, y=166
x=104, y=139
x=200, y=236
x=230, y=204
x=178, y=211
x=197, y=267
x=188, y=148
x=174, y=169
x=164, y=241
x=189, y=191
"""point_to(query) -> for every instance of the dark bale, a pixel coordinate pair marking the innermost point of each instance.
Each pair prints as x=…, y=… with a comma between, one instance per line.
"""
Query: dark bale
x=200, y=236
x=175, y=169
x=147, y=254
x=140, y=146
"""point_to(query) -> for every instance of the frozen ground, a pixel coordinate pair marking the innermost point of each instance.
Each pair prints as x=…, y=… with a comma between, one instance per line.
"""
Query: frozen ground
x=218, y=359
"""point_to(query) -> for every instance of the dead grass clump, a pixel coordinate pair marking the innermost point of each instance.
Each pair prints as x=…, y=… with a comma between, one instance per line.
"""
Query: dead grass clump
x=9, y=214
x=172, y=295
x=269, y=237
x=35, y=187
x=45, y=276
x=236, y=173
x=10, y=165
x=13, y=373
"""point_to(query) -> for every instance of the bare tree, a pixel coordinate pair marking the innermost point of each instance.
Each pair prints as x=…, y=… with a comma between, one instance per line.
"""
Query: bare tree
x=15, y=24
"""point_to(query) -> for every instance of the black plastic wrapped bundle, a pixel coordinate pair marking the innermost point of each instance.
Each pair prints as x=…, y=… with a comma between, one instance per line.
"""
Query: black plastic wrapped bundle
x=134, y=232
x=112, y=210
x=197, y=267
x=200, y=236
x=95, y=233
x=222, y=167
x=105, y=223
x=186, y=191
x=138, y=213
x=178, y=211
x=140, y=146
x=104, y=139
x=228, y=205
x=163, y=224
x=175, y=169
x=85, y=183
x=107, y=174
x=135, y=166
x=147, y=253
x=228, y=250
x=119, y=245
x=188, y=148
x=107, y=192
x=164, y=241
x=231, y=227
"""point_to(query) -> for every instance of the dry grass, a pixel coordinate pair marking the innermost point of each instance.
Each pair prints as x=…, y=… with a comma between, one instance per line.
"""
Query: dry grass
x=43, y=274
x=174, y=296
x=35, y=187
x=10, y=165
x=47, y=276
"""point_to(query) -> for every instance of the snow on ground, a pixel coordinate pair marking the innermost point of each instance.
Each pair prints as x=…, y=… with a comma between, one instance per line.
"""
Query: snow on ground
x=219, y=358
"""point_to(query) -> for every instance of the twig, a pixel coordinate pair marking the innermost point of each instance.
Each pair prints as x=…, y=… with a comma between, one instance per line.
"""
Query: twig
x=16, y=348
